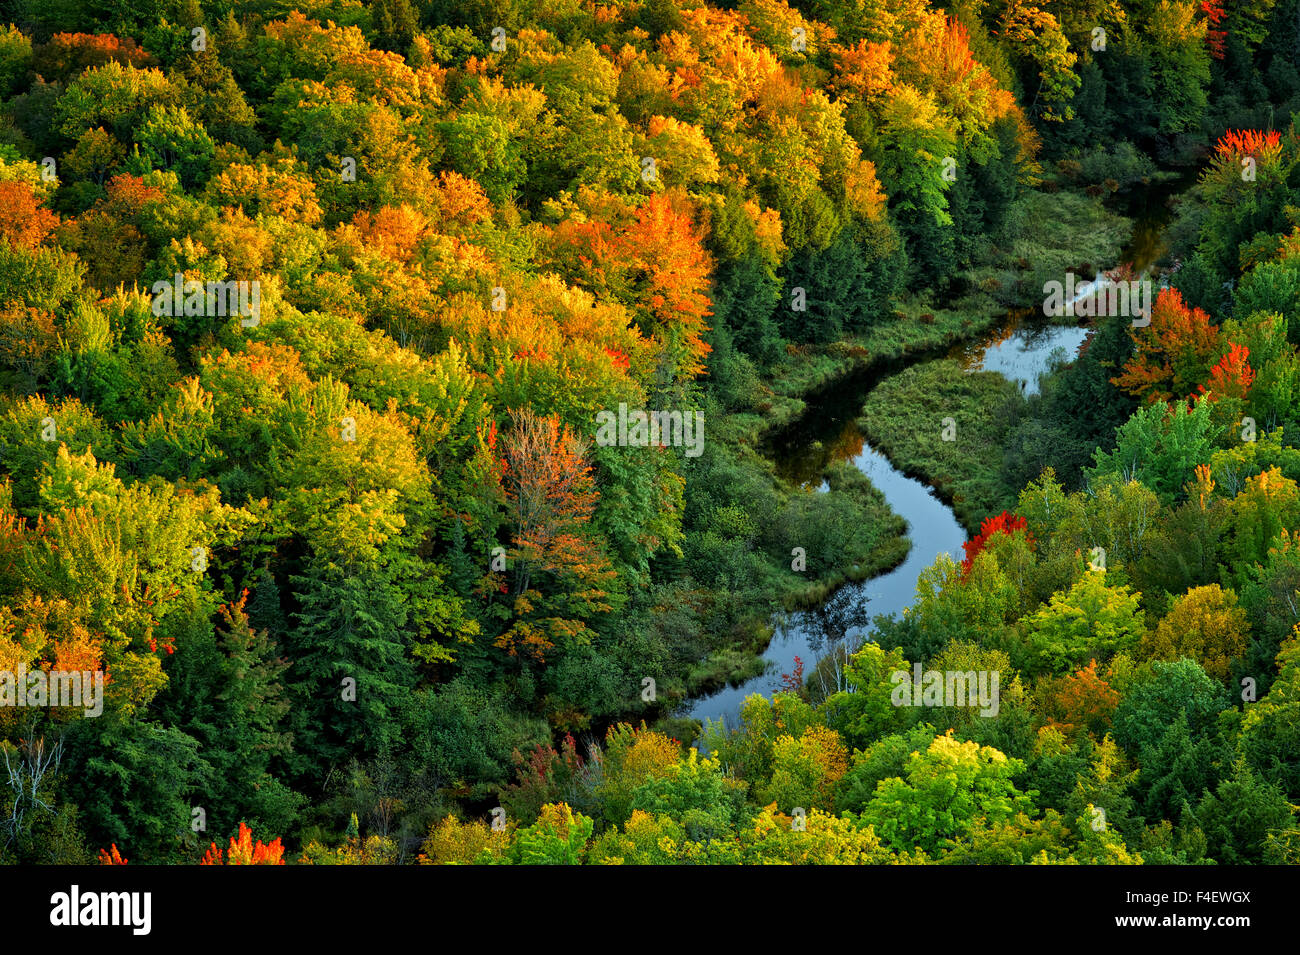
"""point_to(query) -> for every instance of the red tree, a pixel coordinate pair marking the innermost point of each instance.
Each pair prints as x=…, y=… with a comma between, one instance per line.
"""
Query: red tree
x=1004, y=523
x=1232, y=376
x=1247, y=142
x=1213, y=17
x=560, y=568
x=793, y=682
x=244, y=851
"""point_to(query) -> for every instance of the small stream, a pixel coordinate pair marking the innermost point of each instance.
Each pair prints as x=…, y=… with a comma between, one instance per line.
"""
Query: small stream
x=1021, y=349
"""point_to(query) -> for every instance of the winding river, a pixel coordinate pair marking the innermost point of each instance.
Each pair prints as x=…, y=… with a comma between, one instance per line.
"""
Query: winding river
x=831, y=433
x=1021, y=349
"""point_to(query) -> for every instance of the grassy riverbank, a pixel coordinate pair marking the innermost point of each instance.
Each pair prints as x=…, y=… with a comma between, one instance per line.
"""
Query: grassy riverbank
x=948, y=427
x=1046, y=235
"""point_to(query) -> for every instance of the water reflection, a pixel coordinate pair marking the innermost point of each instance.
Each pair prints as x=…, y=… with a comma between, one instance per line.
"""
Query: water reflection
x=1019, y=349
x=844, y=619
x=1152, y=209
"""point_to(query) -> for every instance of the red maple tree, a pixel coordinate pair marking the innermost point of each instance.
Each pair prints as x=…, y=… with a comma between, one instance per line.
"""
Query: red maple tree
x=1248, y=142
x=244, y=851
x=1213, y=17
x=111, y=856
x=1004, y=523
x=1232, y=376
x=793, y=682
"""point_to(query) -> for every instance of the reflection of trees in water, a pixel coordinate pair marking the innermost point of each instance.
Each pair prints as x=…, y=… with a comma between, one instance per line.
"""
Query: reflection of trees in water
x=847, y=445
x=971, y=354
x=804, y=466
x=834, y=631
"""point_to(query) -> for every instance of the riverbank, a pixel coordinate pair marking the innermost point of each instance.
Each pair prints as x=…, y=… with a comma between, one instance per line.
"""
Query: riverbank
x=947, y=427
x=807, y=424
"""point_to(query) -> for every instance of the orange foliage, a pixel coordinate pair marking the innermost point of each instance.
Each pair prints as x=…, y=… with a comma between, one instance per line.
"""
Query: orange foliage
x=106, y=236
x=655, y=262
x=957, y=79
x=128, y=194
x=677, y=273
x=68, y=54
x=244, y=851
x=1081, y=700
x=552, y=496
x=392, y=231
x=460, y=201
x=23, y=221
x=1174, y=353
x=863, y=70
x=78, y=652
x=1248, y=142
x=111, y=857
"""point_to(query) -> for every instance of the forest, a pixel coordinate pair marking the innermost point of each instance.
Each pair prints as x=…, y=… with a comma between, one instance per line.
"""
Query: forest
x=396, y=410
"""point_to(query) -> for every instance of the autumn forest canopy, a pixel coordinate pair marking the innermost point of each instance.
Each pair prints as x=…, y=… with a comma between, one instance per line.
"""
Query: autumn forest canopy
x=393, y=396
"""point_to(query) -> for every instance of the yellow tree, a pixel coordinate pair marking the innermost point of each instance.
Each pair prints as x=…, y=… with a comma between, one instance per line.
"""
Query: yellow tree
x=1205, y=624
x=807, y=770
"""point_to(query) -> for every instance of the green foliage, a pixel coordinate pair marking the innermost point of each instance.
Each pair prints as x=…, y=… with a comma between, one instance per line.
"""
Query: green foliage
x=1240, y=815
x=282, y=538
x=1159, y=696
x=694, y=791
x=885, y=758
x=865, y=710
x=559, y=837
x=943, y=791
x=1092, y=621
x=1161, y=447
x=134, y=784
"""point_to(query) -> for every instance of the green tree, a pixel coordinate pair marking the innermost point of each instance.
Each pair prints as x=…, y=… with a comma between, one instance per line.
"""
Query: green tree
x=695, y=793
x=946, y=789
x=1158, y=695
x=1240, y=814
x=1090, y=621
x=1161, y=447
x=806, y=771
x=558, y=837
x=1270, y=729
x=866, y=711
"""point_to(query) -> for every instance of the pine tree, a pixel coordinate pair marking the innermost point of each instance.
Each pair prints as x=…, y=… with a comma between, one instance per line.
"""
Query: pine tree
x=351, y=673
